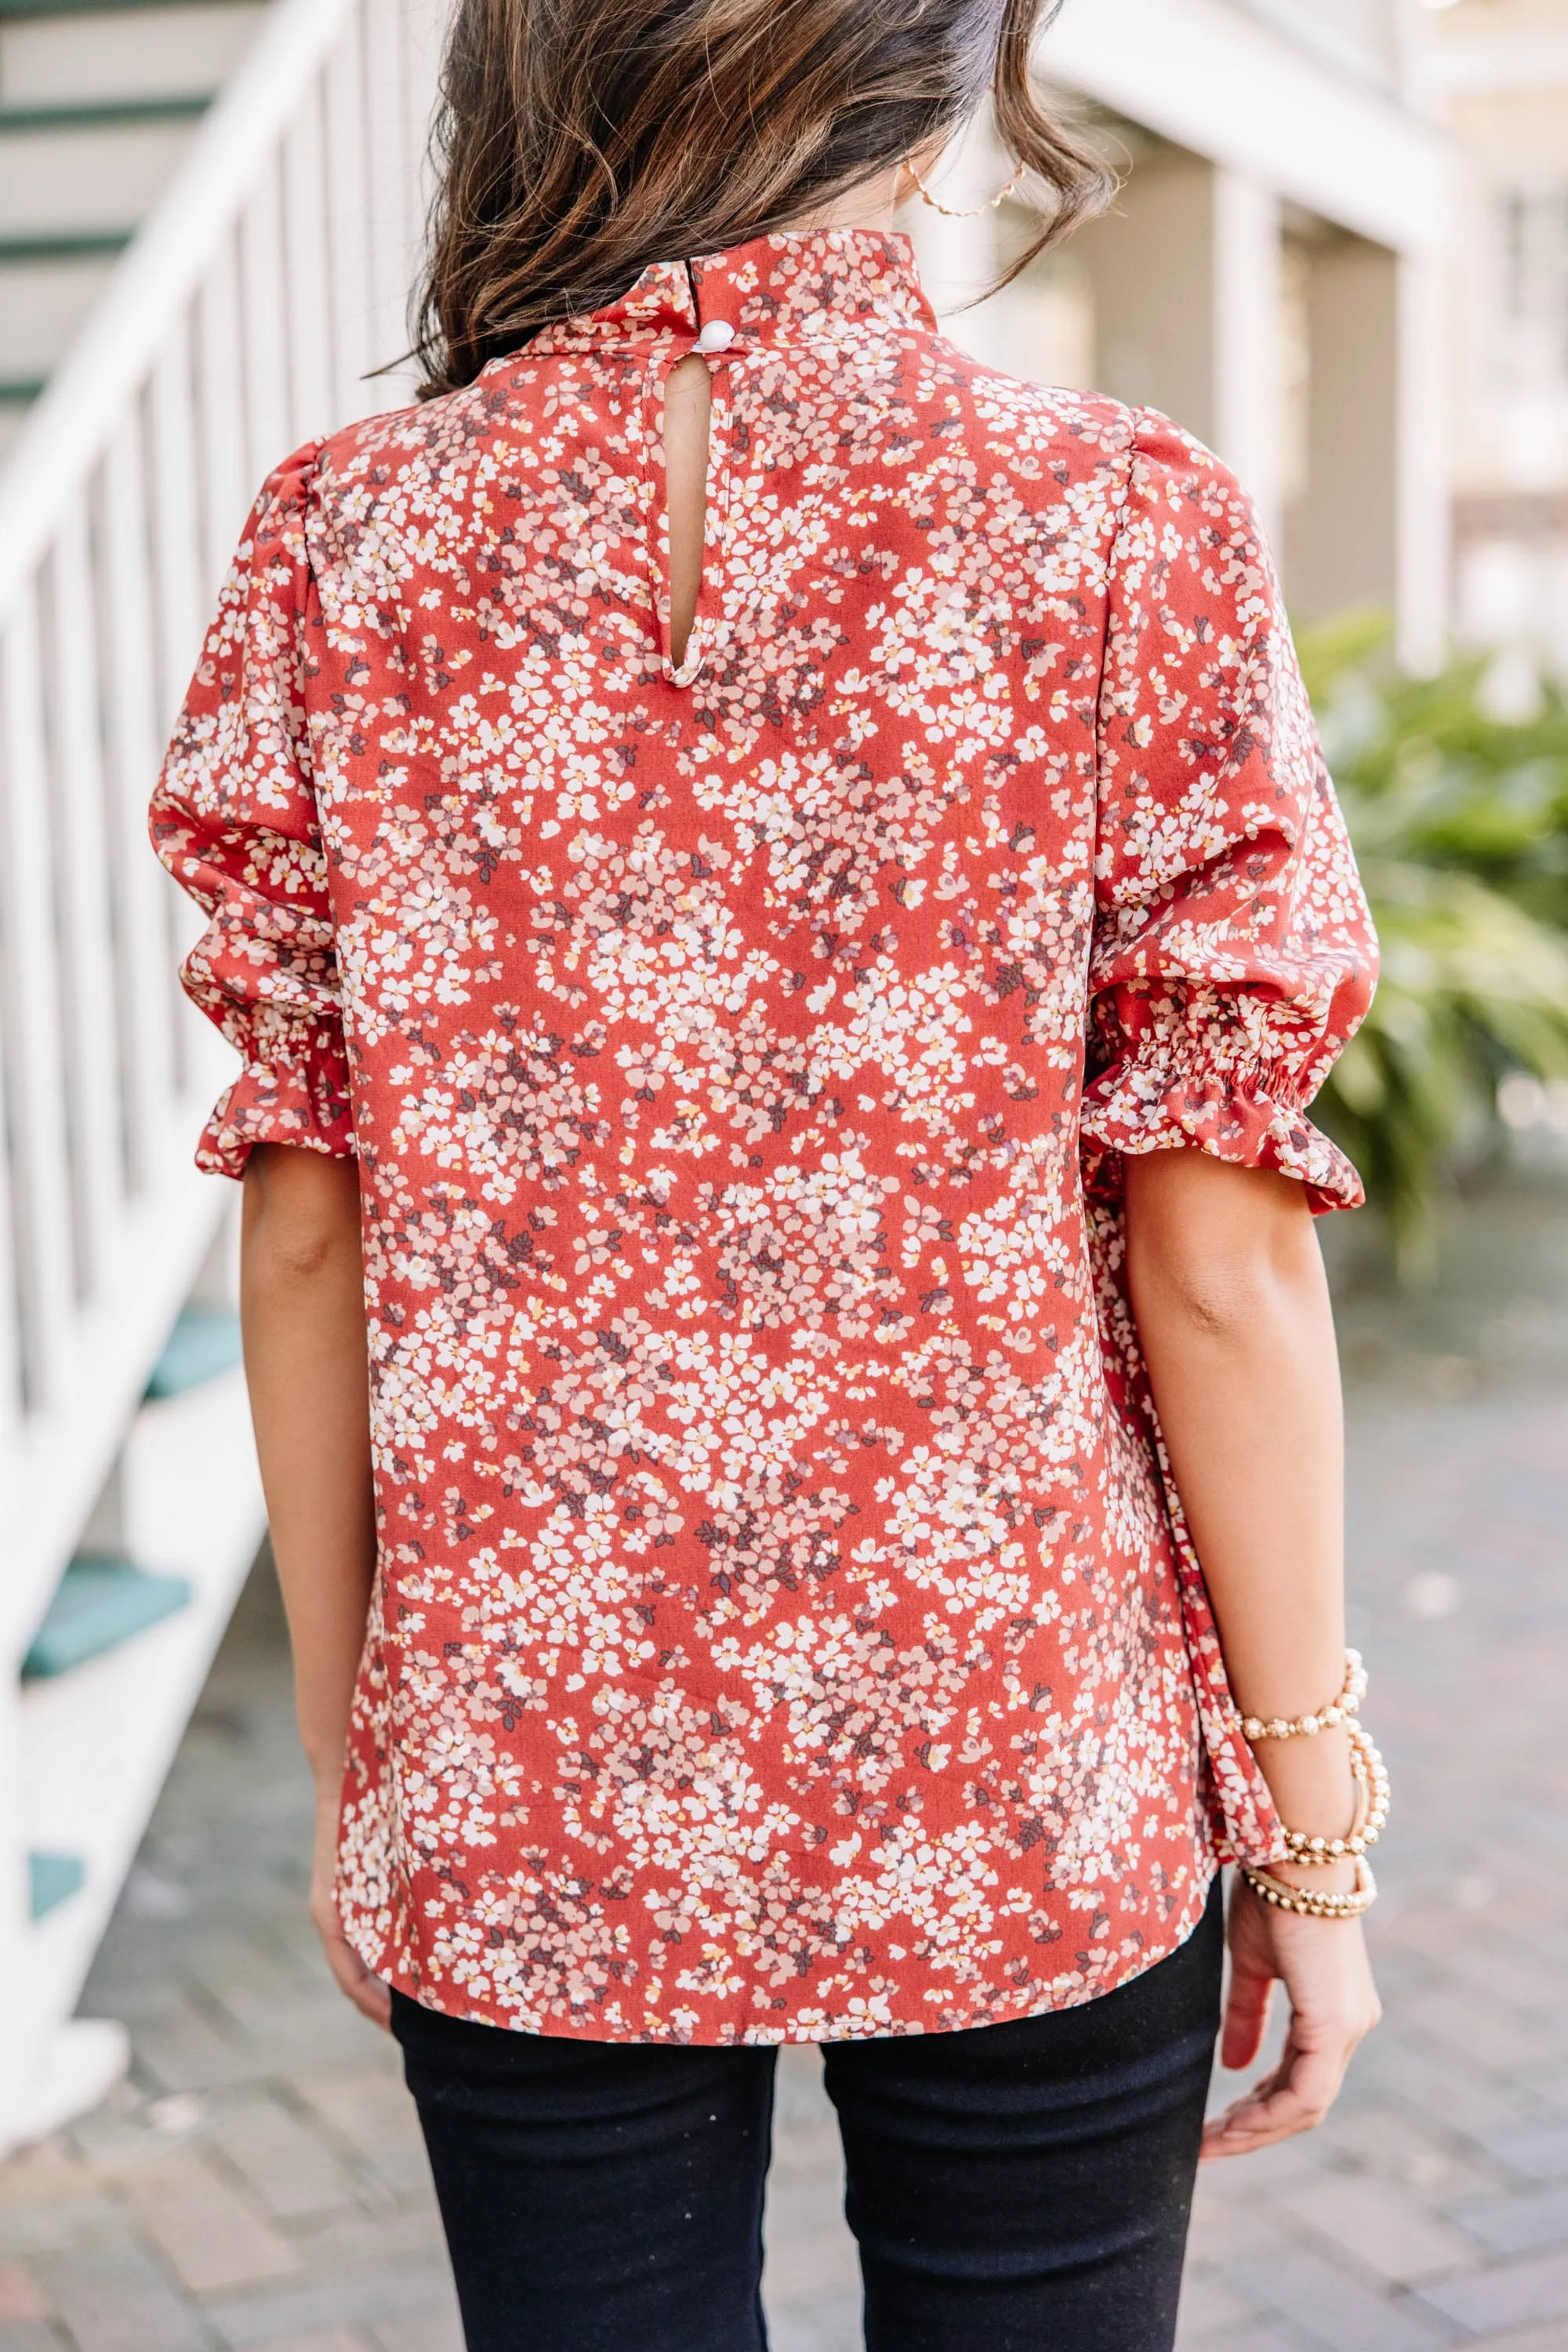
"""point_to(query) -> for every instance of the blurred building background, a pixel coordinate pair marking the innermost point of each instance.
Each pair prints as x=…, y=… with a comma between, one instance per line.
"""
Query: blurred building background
x=1340, y=255
x=1272, y=274
x=1497, y=69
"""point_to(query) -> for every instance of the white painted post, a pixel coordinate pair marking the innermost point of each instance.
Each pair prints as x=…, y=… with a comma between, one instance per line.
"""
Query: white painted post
x=1150, y=268
x=1344, y=531
x=1424, y=539
x=1186, y=278
x=1248, y=401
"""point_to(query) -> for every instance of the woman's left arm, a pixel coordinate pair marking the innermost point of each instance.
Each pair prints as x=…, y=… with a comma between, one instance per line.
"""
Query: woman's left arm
x=302, y=1305
x=1232, y=1307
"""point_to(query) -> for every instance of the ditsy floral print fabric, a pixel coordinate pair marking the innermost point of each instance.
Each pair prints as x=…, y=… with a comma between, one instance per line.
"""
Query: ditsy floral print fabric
x=783, y=1628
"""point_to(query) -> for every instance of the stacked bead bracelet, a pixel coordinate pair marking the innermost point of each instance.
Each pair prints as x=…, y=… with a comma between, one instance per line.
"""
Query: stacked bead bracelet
x=1307, y=1901
x=1255, y=1728
x=1371, y=1779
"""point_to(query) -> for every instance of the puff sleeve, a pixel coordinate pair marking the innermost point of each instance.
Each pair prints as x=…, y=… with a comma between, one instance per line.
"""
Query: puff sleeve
x=1232, y=954
x=235, y=820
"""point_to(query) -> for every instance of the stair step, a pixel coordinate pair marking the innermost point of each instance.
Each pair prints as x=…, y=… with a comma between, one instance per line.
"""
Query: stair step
x=175, y=48
x=101, y=178
x=98, y=1604
x=19, y=12
x=68, y=245
x=45, y=300
x=204, y=1344
x=92, y=114
x=53, y=1879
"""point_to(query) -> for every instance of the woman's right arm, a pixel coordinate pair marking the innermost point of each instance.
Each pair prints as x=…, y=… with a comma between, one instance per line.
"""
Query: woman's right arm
x=302, y=1305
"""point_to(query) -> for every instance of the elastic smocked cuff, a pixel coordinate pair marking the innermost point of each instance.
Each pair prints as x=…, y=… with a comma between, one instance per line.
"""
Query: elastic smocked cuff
x=304, y=1103
x=1245, y=1117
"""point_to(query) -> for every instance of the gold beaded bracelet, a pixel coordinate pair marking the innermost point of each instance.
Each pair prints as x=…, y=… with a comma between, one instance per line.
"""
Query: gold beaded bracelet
x=1307, y=1901
x=1370, y=1776
x=1254, y=1727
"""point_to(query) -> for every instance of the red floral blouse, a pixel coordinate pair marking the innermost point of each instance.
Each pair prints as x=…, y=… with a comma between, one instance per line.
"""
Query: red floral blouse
x=784, y=1630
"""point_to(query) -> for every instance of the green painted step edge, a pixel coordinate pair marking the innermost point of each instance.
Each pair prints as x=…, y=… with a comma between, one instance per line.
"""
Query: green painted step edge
x=53, y=1879
x=16, y=11
x=99, y=1603
x=100, y=114
x=203, y=1344
x=20, y=393
x=77, y=244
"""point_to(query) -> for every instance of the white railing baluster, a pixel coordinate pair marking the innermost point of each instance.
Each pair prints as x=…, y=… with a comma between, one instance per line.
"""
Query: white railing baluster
x=349, y=221
x=11, y=1399
x=181, y=585
x=181, y=588
x=133, y=752
x=265, y=313
x=424, y=40
x=73, y=684
x=307, y=276
x=390, y=207
x=223, y=432
x=31, y=949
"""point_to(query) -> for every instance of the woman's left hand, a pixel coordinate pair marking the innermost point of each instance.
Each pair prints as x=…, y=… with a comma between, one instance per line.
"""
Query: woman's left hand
x=1327, y=1975
x=369, y=1995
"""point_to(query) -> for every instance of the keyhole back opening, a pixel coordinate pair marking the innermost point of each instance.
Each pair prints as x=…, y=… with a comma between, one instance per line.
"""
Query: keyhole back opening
x=688, y=426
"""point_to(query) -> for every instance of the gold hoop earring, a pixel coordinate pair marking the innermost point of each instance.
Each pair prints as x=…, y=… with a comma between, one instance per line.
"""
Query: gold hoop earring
x=964, y=211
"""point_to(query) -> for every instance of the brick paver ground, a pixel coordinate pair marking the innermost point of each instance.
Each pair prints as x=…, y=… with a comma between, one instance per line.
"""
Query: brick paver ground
x=258, y=2181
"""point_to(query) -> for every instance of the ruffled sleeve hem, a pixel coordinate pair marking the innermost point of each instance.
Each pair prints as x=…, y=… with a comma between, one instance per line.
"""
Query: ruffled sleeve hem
x=1151, y=1103
x=302, y=1102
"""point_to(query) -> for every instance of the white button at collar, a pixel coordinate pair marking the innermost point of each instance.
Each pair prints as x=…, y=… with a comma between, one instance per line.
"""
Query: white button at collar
x=716, y=336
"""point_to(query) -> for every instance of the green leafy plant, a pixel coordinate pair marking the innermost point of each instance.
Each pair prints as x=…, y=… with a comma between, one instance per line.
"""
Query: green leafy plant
x=1460, y=823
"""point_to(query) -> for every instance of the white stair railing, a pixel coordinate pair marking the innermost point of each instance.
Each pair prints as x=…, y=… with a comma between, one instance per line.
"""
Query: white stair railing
x=273, y=275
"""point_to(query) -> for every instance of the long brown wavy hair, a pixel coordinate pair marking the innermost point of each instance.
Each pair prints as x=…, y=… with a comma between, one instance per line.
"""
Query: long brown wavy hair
x=578, y=140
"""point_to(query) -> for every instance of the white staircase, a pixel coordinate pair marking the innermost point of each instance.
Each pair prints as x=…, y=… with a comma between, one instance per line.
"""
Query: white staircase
x=98, y=104
x=190, y=286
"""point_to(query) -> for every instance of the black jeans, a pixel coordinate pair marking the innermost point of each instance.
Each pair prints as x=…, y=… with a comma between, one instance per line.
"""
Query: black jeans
x=1021, y=2187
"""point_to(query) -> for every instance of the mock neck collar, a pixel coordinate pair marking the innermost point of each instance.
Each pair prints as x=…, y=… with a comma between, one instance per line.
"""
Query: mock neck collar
x=809, y=286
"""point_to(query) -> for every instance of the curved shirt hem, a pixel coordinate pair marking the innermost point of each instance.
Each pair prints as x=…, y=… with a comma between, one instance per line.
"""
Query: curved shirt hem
x=404, y=1979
